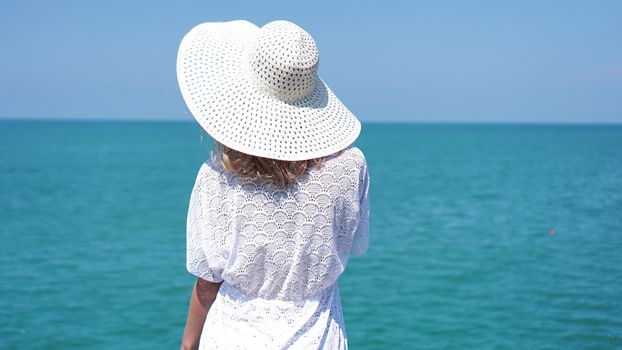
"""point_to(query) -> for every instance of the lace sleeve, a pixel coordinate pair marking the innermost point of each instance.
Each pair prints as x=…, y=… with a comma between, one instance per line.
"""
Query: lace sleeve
x=202, y=257
x=361, y=236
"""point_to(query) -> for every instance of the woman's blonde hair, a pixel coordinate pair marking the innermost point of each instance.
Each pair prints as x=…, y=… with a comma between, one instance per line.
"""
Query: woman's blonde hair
x=278, y=172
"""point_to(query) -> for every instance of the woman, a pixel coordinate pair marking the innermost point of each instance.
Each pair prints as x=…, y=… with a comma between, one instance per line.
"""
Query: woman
x=278, y=209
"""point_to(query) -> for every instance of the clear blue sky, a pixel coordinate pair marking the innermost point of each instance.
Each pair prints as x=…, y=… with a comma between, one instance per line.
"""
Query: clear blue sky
x=517, y=61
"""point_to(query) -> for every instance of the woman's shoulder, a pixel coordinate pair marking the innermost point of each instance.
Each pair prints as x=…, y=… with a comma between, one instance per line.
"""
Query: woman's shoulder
x=359, y=156
x=351, y=156
x=210, y=165
x=210, y=170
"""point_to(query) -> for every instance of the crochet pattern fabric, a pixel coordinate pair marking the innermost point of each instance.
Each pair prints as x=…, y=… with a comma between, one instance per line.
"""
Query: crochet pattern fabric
x=279, y=249
x=279, y=244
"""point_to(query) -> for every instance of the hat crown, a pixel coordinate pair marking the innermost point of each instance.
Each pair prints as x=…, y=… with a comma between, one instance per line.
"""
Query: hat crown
x=284, y=61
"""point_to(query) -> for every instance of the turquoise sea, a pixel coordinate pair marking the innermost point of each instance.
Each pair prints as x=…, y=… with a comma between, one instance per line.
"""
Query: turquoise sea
x=483, y=236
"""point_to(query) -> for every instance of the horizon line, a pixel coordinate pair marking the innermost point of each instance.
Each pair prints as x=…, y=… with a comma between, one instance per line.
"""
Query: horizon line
x=389, y=121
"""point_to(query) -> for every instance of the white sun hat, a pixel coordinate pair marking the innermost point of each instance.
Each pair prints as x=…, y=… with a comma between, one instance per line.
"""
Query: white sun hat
x=257, y=90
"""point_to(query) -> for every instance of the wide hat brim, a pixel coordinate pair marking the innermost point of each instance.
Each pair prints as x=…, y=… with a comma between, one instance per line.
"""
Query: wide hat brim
x=226, y=103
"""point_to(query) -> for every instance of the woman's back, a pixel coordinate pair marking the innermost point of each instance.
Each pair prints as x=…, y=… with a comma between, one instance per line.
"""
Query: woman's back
x=278, y=252
x=285, y=244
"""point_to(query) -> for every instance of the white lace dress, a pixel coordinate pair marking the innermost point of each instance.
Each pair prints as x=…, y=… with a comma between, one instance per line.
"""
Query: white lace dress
x=278, y=253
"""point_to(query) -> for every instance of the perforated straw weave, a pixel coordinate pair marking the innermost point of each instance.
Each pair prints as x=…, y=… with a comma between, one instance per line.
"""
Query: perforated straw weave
x=257, y=90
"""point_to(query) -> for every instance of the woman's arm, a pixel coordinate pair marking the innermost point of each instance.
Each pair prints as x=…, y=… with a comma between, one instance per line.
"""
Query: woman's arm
x=203, y=296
